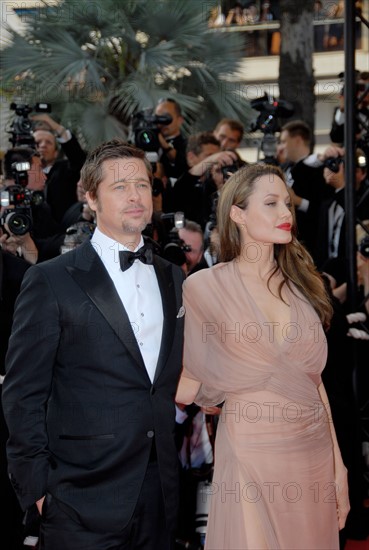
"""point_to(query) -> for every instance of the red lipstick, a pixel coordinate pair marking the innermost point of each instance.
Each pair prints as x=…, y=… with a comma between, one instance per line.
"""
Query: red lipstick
x=285, y=226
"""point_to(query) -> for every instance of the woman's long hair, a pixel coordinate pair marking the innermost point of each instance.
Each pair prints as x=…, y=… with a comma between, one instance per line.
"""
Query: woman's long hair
x=292, y=259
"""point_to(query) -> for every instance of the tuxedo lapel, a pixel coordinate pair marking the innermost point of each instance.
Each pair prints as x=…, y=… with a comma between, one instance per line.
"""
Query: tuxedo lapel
x=91, y=276
x=167, y=290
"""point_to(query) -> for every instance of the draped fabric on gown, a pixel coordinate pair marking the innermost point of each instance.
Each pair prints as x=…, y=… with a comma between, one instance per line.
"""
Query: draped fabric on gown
x=273, y=485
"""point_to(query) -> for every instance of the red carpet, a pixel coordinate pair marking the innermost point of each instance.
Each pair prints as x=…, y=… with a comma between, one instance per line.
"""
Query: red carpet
x=357, y=544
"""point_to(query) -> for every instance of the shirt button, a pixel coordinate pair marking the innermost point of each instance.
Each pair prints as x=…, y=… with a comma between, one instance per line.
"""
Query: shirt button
x=138, y=286
x=141, y=344
x=142, y=315
x=150, y=434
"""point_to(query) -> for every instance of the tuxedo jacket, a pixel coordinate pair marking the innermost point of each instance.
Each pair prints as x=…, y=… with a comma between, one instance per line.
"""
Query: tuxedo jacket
x=81, y=410
x=321, y=256
x=309, y=184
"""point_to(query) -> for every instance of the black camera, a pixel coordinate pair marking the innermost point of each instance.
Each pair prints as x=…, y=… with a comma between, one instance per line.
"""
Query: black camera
x=19, y=217
x=18, y=201
x=175, y=248
x=145, y=128
x=333, y=163
x=364, y=246
x=268, y=122
x=270, y=110
x=21, y=127
x=231, y=169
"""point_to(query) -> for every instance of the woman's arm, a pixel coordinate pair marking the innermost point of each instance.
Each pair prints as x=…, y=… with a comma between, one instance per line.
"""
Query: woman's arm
x=187, y=390
x=343, y=503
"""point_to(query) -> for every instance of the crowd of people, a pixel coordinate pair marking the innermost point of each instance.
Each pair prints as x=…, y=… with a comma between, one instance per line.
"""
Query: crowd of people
x=96, y=434
x=328, y=34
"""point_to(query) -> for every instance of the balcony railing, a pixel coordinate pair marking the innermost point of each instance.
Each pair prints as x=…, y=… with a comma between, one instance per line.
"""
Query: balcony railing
x=264, y=39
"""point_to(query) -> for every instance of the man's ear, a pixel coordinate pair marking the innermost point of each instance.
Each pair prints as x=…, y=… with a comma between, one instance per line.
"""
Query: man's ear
x=92, y=203
x=191, y=158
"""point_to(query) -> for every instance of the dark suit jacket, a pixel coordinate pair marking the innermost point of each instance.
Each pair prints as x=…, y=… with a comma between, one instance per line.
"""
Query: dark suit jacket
x=12, y=270
x=309, y=184
x=361, y=212
x=321, y=256
x=80, y=407
x=61, y=183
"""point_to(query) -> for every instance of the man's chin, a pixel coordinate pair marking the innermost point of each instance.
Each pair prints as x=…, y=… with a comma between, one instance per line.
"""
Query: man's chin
x=134, y=227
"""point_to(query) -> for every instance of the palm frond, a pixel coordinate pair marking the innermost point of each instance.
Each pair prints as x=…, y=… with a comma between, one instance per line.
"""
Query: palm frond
x=98, y=63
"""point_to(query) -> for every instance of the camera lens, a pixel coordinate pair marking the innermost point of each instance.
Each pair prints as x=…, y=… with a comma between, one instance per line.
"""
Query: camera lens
x=147, y=140
x=19, y=224
x=333, y=164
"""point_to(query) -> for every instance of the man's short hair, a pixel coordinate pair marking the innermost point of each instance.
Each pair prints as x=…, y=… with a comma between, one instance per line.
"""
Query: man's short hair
x=298, y=128
x=17, y=154
x=176, y=105
x=196, y=141
x=49, y=131
x=194, y=227
x=234, y=125
x=92, y=172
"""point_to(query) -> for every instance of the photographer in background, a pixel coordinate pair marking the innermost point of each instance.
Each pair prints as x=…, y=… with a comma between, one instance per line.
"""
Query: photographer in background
x=172, y=142
x=331, y=221
x=229, y=133
x=190, y=193
x=52, y=139
x=304, y=176
x=40, y=235
x=362, y=117
x=193, y=238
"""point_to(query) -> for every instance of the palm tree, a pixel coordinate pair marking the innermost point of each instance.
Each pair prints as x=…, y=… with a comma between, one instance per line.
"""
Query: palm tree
x=100, y=62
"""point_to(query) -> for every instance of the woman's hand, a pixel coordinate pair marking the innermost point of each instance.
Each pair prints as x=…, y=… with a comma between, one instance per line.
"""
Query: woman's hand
x=342, y=495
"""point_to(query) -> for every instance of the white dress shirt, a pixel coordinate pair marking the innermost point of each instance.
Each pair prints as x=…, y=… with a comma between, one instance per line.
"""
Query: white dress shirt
x=139, y=292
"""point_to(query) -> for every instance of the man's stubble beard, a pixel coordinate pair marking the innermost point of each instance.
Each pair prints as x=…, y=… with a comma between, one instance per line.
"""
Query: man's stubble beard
x=127, y=228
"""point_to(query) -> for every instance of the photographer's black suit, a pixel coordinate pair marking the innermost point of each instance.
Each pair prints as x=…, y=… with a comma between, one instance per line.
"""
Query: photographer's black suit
x=308, y=183
x=61, y=183
x=82, y=413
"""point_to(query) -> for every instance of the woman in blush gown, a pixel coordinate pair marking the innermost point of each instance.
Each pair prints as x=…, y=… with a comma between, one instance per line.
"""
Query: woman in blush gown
x=254, y=339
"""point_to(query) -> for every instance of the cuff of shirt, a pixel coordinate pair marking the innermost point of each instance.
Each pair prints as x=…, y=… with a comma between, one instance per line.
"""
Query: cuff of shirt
x=339, y=117
x=304, y=206
x=68, y=138
x=181, y=416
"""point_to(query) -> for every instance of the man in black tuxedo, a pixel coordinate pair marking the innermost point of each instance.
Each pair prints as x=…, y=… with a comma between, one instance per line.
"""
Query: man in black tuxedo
x=91, y=373
x=304, y=176
x=332, y=218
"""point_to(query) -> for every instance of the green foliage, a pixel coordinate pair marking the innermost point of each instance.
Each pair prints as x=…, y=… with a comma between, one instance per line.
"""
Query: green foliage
x=98, y=62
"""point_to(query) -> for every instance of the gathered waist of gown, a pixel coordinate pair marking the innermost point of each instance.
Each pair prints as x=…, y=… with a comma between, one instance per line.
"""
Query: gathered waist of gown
x=272, y=421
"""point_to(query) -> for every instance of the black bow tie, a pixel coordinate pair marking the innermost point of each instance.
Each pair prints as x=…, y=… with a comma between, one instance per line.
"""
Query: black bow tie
x=144, y=254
